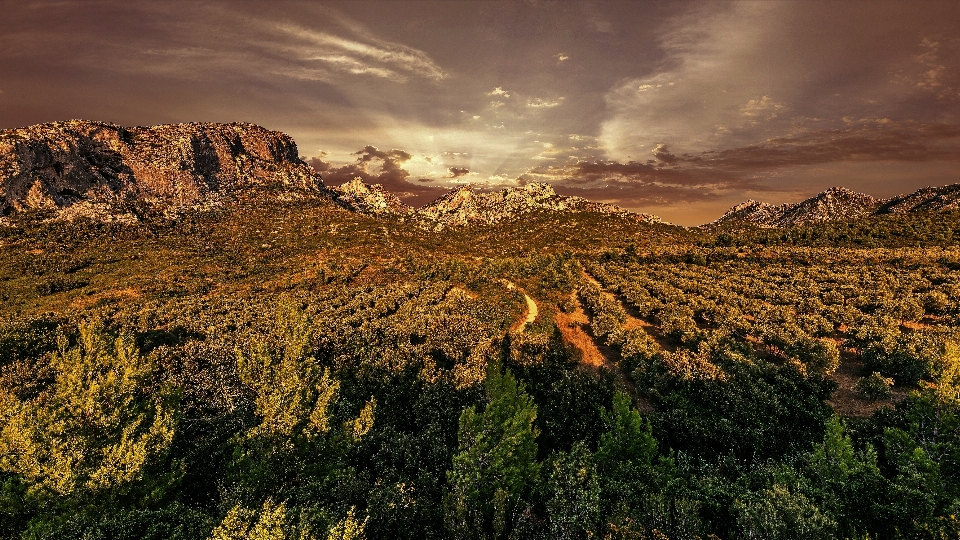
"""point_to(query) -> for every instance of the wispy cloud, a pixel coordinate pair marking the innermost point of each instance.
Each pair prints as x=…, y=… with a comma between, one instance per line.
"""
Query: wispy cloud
x=540, y=103
x=374, y=57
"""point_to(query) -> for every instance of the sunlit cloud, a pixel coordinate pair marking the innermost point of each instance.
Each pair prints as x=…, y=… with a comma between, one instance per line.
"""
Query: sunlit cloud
x=540, y=103
x=356, y=56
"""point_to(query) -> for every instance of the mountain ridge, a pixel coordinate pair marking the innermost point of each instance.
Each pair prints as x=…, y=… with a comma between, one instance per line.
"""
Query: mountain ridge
x=836, y=204
x=92, y=165
x=82, y=168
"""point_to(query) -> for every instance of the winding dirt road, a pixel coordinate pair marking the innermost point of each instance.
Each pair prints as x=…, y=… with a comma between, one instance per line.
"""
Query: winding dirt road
x=532, y=310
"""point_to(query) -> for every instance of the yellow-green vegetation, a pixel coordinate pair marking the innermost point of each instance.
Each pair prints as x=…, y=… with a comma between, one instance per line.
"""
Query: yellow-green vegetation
x=294, y=370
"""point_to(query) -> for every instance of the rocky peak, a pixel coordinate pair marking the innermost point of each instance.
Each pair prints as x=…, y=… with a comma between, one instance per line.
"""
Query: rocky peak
x=358, y=196
x=63, y=164
x=929, y=199
x=464, y=205
x=834, y=204
x=751, y=212
x=839, y=203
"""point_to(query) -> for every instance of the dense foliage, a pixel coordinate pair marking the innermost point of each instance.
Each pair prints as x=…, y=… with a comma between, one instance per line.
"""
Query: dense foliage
x=297, y=371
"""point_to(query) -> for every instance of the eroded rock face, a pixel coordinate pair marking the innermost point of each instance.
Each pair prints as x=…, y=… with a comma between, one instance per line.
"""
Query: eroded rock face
x=60, y=164
x=358, y=196
x=464, y=205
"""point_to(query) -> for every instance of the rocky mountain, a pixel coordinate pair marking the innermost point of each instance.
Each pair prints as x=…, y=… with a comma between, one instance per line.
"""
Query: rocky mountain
x=751, y=212
x=81, y=166
x=465, y=205
x=358, y=196
x=929, y=199
x=834, y=204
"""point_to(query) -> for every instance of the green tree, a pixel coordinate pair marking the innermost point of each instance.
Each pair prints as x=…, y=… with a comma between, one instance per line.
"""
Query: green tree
x=574, y=504
x=777, y=513
x=497, y=463
x=272, y=522
x=293, y=395
x=349, y=528
x=848, y=480
x=97, y=426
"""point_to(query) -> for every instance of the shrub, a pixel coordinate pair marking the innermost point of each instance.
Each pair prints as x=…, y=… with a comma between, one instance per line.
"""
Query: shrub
x=875, y=386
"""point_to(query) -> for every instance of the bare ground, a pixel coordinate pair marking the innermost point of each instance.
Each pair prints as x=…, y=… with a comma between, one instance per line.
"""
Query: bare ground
x=847, y=401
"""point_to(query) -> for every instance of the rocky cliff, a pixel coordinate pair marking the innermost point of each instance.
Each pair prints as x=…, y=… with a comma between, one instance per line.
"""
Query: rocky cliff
x=61, y=165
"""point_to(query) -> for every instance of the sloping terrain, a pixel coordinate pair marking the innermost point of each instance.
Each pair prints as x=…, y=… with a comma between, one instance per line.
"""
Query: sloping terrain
x=833, y=204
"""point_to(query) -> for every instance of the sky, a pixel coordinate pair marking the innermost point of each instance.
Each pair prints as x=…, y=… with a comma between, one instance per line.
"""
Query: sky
x=679, y=109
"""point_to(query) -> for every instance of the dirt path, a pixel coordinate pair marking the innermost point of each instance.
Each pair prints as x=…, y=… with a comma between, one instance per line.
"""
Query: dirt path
x=532, y=310
x=574, y=328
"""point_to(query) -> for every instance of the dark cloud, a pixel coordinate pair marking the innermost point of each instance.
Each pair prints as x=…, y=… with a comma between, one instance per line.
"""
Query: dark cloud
x=663, y=154
x=712, y=175
x=457, y=172
x=376, y=166
x=865, y=140
x=636, y=185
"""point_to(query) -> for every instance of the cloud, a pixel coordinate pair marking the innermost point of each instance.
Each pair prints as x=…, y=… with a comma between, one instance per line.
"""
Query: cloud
x=734, y=74
x=763, y=107
x=936, y=69
x=662, y=153
x=635, y=184
x=561, y=57
x=391, y=175
x=373, y=56
x=498, y=91
x=718, y=175
x=539, y=103
x=457, y=172
x=197, y=40
x=864, y=140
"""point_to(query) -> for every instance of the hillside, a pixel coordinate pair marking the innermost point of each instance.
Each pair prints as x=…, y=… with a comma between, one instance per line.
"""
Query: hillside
x=465, y=205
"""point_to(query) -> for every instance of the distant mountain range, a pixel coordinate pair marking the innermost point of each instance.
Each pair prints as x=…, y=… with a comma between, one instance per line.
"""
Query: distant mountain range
x=83, y=168
x=466, y=205
x=837, y=204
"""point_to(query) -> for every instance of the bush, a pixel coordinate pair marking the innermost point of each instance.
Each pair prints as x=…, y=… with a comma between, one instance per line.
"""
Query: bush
x=875, y=386
x=907, y=358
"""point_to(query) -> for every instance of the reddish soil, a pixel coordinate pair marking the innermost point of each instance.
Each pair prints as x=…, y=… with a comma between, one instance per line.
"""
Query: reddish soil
x=847, y=401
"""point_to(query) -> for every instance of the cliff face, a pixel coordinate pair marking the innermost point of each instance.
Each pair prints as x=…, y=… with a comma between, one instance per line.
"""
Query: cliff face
x=60, y=164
